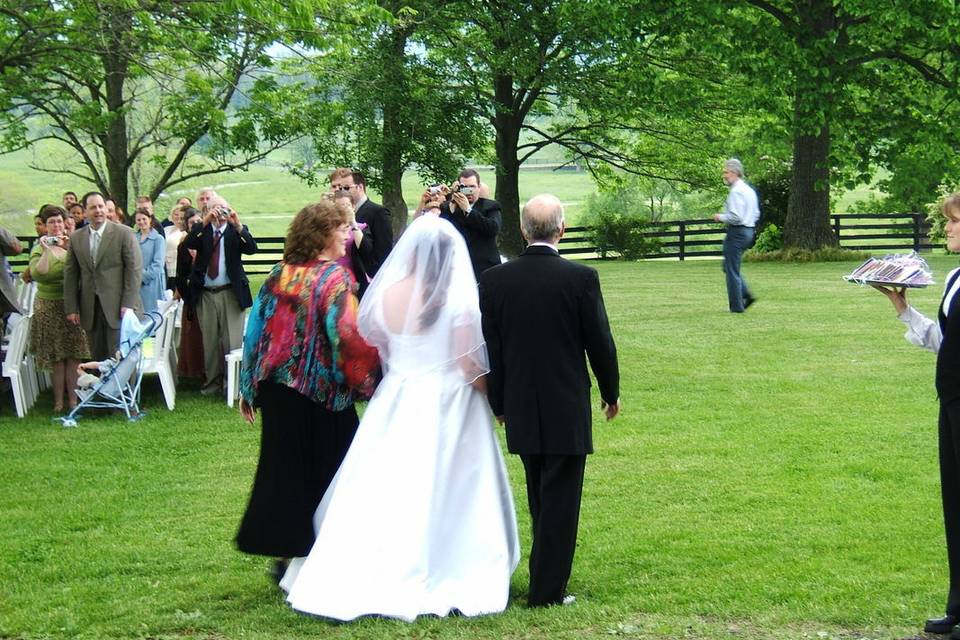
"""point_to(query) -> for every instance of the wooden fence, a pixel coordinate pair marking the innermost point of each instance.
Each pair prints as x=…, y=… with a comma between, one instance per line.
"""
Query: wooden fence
x=677, y=239
x=681, y=239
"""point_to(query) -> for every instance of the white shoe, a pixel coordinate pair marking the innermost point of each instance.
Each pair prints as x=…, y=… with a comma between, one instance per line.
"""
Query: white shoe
x=569, y=600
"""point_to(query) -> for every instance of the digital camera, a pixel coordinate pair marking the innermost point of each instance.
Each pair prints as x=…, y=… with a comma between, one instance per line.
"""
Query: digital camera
x=50, y=241
x=462, y=188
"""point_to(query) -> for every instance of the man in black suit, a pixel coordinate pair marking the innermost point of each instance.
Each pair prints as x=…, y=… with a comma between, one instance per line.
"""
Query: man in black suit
x=219, y=286
x=375, y=216
x=541, y=313
x=477, y=219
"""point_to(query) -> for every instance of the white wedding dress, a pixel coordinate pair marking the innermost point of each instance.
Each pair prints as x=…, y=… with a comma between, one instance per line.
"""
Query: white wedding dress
x=420, y=517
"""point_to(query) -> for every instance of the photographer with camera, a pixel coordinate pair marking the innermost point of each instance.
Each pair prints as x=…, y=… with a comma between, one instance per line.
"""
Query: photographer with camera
x=58, y=345
x=219, y=285
x=432, y=200
x=477, y=219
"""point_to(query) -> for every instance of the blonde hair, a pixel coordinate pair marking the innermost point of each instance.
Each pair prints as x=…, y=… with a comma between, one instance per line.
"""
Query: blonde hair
x=341, y=172
x=950, y=207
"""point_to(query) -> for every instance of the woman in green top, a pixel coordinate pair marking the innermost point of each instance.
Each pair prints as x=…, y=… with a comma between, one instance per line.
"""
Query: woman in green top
x=58, y=345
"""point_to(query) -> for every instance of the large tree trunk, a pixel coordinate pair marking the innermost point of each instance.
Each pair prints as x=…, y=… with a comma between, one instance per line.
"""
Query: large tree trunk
x=507, y=125
x=808, y=207
x=394, y=137
x=115, y=140
x=393, y=192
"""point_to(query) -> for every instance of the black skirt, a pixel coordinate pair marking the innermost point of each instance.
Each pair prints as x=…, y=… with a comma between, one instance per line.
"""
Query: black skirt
x=301, y=447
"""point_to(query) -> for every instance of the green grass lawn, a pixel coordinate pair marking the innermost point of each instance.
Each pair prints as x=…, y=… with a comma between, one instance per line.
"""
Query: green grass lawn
x=772, y=475
x=267, y=195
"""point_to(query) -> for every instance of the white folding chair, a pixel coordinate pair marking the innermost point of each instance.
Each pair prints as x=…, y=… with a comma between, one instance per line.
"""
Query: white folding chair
x=232, y=364
x=16, y=369
x=177, y=325
x=160, y=361
x=28, y=295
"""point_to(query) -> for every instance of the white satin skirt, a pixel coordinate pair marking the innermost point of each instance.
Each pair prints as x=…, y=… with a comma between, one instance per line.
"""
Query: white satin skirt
x=420, y=517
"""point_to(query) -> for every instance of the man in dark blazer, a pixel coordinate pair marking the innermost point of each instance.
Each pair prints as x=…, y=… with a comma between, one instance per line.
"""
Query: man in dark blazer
x=375, y=216
x=101, y=277
x=541, y=314
x=477, y=219
x=219, y=285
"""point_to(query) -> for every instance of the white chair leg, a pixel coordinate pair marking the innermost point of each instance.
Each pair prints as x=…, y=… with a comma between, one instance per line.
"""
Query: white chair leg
x=232, y=365
x=28, y=375
x=231, y=383
x=16, y=383
x=168, y=385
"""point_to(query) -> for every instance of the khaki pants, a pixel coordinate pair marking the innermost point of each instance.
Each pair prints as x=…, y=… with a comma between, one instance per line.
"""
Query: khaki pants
x=221, y=323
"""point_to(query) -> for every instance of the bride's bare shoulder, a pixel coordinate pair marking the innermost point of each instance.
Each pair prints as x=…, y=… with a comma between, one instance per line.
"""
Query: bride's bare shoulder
x=396, y=304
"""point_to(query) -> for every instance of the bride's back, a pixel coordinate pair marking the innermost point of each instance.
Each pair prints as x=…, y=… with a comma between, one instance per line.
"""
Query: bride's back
x=421, y=310
x=415, y=341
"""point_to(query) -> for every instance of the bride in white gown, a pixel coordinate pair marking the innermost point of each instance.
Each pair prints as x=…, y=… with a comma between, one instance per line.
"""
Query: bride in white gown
x=420, y=518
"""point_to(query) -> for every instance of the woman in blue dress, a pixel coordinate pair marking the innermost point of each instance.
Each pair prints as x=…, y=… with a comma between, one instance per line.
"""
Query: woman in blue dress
x=153, y=247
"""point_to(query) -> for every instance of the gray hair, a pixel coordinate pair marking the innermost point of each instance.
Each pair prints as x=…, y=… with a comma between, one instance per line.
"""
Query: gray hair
x=542, y=218
x=734, y=165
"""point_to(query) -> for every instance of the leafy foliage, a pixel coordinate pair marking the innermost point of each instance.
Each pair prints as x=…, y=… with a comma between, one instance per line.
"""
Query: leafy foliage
x=768, y=240
x=619, y=222
x=132, y=87
x=848, y=81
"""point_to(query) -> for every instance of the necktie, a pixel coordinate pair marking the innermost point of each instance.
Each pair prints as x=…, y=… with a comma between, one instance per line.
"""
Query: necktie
x=213, y=268
x=95, y=246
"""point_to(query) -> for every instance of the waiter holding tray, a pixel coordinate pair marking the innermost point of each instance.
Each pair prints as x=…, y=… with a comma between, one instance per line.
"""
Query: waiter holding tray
x=942, y=336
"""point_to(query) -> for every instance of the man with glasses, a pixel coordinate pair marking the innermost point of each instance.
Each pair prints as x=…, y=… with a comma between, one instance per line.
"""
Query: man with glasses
x=375, y=216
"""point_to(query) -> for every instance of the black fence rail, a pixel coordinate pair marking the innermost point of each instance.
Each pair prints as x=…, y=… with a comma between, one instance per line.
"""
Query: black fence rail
x=677, y=239
x=697, y=238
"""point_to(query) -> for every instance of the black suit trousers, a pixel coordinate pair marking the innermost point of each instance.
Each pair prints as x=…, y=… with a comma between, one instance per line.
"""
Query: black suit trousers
x=950, y=491
x=554, y=485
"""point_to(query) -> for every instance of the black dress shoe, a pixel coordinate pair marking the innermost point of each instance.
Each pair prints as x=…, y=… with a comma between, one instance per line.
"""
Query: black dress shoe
x=941, y=625
x=748, y=302
x=277, y=569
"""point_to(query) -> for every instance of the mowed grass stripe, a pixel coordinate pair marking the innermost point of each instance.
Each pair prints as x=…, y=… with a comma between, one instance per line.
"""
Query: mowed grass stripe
x=772, y=474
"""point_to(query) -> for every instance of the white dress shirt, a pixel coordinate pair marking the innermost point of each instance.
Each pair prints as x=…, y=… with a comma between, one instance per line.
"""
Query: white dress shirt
x=921, y=330
x=221, y=278
x=96, y=239
x=741, y=207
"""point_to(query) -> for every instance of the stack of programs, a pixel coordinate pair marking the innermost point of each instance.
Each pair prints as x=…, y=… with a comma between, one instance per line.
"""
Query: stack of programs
x=900, y=270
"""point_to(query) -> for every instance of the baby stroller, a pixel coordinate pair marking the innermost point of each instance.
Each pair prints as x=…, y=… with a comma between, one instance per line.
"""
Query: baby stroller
x=119, y=384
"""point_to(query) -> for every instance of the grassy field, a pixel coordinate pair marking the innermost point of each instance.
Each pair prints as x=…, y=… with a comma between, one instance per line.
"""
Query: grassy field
x=267, y=196
x=773, y=475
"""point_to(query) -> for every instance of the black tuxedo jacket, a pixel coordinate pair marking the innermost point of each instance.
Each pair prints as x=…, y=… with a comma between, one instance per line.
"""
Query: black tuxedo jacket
x=542, y=314
x=377, y=218
x=948, y=356
x=200, y=237
x=480, y=230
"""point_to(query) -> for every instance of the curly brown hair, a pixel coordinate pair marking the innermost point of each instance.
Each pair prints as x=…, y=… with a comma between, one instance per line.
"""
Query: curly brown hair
x=310, y=230
x=50, y=211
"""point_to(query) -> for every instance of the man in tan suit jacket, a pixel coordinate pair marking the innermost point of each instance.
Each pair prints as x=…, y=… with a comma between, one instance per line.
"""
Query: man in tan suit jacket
x=98, y=287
